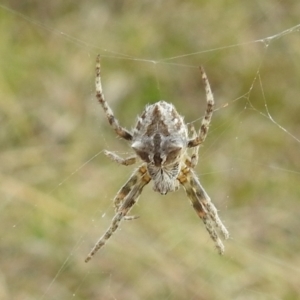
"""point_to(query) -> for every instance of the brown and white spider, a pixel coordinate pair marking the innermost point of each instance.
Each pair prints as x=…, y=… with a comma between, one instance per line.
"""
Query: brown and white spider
x=160, y=139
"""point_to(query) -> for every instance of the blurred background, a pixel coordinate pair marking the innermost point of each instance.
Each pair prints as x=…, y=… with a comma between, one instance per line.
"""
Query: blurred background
x=56, y=185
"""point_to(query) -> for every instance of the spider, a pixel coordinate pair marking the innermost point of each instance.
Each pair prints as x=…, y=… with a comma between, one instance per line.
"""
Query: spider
x=160, y=139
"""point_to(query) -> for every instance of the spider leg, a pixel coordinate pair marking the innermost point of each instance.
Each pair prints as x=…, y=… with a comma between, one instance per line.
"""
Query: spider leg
x=193, y=160
x=199, y=139
x=209, y=206
x=124, y=191
x=130, y=199
x=122, y=161
x=122, y=132
x=207, y=213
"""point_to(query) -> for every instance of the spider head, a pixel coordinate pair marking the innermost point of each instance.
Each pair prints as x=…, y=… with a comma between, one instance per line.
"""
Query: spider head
x=163, y=162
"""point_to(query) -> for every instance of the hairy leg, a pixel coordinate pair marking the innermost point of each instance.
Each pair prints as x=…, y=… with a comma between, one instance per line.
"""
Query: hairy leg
x=128, y=202
x=121, y=131
x=201, y=210
x=209, y=206
x=199, y=139
x=122, y=161
x=193, y=160
x=125, y=190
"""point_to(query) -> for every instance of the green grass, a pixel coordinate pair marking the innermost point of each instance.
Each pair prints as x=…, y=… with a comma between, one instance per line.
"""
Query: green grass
x=56, y=201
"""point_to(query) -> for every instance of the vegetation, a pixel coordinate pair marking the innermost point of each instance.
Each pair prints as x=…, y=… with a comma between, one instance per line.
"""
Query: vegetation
x=56, y=186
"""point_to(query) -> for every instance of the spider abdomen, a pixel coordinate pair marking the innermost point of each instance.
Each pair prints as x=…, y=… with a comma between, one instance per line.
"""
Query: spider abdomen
x=160, y=117
x=159, y=131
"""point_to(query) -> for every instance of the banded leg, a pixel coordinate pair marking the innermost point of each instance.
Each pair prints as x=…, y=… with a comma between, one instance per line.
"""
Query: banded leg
x=114, y=224
x=208, y=205
x=121, y=131
x=125, y=190
x=201, y=210
x=129, y=201
x=193, y=160
x=199, y=139
x=122, y=161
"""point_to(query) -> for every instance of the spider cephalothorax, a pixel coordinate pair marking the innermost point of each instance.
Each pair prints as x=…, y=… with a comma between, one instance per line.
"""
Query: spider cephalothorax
x=160, y=139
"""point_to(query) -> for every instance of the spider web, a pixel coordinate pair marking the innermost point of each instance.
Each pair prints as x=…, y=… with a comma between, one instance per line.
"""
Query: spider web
x=57, y=186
